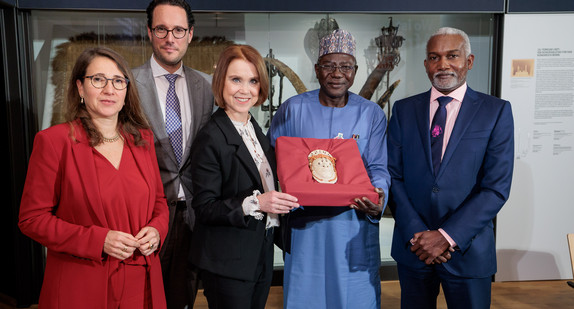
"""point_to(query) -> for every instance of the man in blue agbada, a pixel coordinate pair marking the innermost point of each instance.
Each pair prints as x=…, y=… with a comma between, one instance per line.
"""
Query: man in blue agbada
x=332, y=254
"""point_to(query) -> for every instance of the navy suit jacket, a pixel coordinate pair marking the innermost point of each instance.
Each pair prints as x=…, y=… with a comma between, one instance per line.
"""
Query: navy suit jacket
x=471, y=186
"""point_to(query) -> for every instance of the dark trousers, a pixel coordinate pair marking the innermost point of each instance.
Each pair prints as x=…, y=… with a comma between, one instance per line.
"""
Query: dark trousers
x=180, y=278
x=420, y=288
x=228, y=293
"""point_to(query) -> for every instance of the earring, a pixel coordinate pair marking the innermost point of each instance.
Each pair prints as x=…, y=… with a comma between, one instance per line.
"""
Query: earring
x=81, y=100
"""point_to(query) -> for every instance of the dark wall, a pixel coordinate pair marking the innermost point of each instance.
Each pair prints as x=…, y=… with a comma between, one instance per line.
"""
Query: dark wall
x=21, y=261
x=7, y=3
x=436, y=6
x=407, y=6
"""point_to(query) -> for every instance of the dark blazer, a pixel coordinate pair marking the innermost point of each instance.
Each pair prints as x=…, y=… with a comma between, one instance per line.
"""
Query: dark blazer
x=62, y=209
x=472, y=184
x=201, y=106
x=224, y=241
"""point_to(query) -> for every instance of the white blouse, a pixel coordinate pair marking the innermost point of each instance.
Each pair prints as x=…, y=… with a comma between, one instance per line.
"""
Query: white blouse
x=250, y=204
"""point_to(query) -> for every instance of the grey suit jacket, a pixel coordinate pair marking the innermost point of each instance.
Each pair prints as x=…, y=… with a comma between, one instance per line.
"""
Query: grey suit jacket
x=201, y=101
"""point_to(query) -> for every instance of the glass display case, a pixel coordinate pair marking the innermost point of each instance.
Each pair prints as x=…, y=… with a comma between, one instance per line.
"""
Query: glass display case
x=288, y=41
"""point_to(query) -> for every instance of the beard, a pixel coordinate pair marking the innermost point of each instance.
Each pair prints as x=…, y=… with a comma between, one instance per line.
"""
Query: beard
x=163, y=58
x=445, y=84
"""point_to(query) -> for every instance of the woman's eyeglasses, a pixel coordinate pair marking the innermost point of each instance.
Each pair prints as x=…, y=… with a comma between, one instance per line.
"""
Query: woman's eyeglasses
x=100, y=81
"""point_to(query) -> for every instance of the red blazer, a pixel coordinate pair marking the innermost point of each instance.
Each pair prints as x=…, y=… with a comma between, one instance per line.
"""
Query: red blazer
x=61, y=209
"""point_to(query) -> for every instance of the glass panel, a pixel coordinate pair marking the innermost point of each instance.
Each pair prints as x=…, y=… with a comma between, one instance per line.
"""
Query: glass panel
x=290, y=39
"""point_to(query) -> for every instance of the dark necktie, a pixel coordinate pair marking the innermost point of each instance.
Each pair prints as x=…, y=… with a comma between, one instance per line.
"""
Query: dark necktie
x=173, y=118
x=437, y=132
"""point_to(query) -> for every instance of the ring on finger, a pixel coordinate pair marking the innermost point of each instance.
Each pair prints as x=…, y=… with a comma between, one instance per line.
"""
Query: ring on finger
x=125, y=249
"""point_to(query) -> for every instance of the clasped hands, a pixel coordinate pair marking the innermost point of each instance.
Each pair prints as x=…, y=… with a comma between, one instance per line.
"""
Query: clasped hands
x=367, y=206
x=123, y=245
x=431, y=247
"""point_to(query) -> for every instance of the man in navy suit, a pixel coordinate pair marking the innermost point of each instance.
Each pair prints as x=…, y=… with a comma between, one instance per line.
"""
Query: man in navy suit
x=451, y=155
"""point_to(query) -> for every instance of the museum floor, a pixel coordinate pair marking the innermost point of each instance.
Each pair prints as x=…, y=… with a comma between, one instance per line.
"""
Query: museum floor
x=505, y=295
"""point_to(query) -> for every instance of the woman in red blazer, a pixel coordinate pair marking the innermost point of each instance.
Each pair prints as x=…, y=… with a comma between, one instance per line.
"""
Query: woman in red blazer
x=93, y=194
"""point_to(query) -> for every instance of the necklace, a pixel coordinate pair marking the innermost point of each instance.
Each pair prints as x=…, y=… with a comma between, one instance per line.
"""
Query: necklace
x=111, y=140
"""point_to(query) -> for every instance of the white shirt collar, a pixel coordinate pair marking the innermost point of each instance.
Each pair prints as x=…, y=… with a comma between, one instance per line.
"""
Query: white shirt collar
x=157, y=70
x=457, y=94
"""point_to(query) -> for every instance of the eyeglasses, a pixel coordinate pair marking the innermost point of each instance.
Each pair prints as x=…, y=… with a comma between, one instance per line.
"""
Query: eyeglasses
x=329, y=68
x=100, y=81
x=161, y=32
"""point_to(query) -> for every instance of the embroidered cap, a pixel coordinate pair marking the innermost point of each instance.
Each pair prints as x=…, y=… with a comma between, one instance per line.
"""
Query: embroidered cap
x=338, y=42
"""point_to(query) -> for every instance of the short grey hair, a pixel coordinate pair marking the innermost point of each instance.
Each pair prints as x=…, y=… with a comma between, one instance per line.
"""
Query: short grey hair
x=453, y=31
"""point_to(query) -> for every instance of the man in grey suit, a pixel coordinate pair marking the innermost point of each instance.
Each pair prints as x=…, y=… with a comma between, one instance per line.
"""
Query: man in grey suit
x=177, y=101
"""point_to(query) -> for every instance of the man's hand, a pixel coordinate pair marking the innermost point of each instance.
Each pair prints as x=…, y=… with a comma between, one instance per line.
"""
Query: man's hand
x=429, y=245
x=367, y=206
x=444, y=257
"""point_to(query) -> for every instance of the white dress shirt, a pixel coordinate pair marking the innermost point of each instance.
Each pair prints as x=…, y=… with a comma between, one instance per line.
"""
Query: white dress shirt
x=162, y=85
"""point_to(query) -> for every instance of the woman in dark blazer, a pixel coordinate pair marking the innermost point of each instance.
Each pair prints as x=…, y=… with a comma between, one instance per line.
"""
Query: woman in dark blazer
x=234, y=197
x=94, y=197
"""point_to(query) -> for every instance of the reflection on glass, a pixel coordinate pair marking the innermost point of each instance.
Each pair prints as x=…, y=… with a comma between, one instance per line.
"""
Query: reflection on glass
x=289, y=40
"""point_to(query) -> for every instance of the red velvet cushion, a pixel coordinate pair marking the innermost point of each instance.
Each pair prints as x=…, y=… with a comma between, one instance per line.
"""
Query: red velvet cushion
x=296, y=179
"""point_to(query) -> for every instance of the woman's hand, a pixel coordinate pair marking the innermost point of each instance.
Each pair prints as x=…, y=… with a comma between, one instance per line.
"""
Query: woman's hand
x=277, y=202
x=148, y=239
x=120, y=245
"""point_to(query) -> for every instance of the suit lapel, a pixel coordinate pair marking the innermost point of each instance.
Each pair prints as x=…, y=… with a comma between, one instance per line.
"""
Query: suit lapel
x=265, y=145
x=422, y=111
x=469, y=107
x=146, y=170
x=150, y=103
x=233, y=138
x=193, y=88
x=84, y=156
